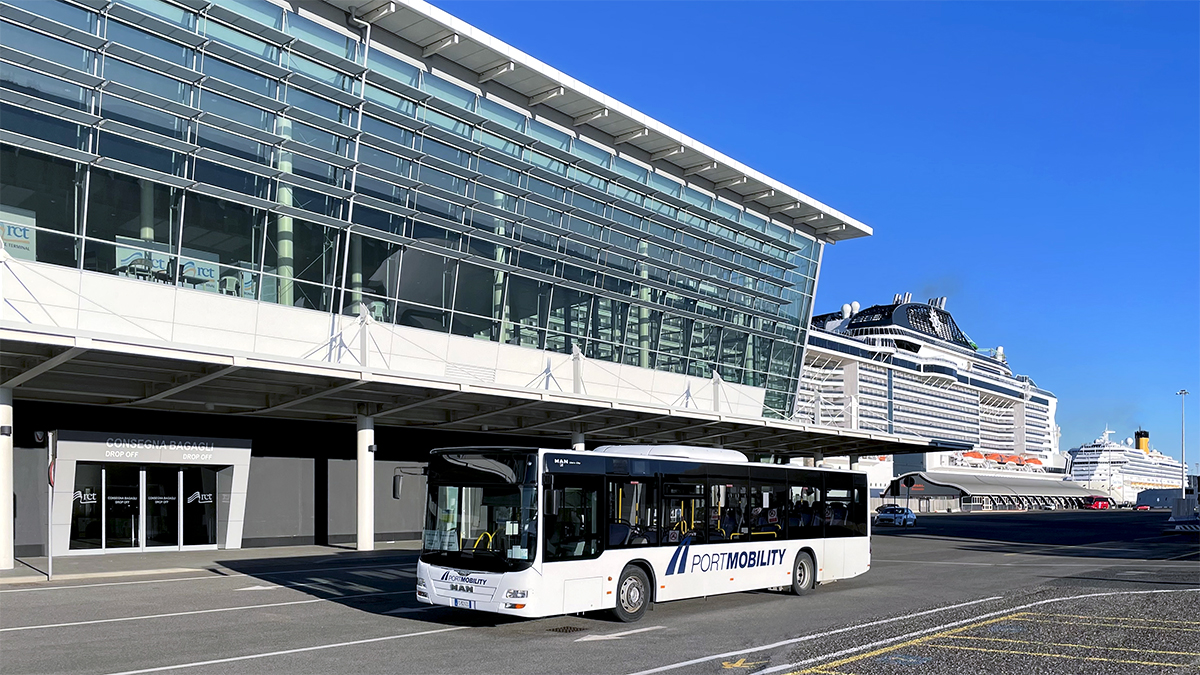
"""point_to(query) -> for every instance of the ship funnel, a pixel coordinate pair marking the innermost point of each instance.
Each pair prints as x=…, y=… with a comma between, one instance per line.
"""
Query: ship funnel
x=846, y=311
x=897, y=298
x=1000, y=353
x=854, y=307
x=908, y=297
x=1142, y=440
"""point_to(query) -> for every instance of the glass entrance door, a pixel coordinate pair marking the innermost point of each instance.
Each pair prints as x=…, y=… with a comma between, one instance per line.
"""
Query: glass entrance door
x=162, y=506
x=143, y=508
x=122, y=506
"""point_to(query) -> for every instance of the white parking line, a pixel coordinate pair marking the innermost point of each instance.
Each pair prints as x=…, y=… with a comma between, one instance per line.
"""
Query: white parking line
x=1093, y=564
x=214, y=575
x=953, y=624
x=198, y=611
x=283, y=652
x=805, y=638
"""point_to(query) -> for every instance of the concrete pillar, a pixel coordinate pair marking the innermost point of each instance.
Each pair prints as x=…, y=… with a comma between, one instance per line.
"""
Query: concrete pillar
x=576, y=370
x=854, y=462
x=577, y=440
x=366, y=483
x=146, y=215
x=285, y=248
x=643, y=312
x=6, y=480
x=716, y=390
x=356, y=272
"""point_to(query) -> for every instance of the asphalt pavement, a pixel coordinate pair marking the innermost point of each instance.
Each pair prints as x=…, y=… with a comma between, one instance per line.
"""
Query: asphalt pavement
x=1045, y=592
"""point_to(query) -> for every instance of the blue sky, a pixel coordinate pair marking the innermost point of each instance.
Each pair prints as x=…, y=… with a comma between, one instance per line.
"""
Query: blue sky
x=1035, y=162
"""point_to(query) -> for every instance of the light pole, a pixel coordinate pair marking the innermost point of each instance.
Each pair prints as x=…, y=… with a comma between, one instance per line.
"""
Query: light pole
x=1182, y=394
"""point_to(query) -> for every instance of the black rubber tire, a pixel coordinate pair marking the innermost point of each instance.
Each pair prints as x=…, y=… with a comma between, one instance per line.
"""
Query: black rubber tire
x=804, y=573
x=633, y=594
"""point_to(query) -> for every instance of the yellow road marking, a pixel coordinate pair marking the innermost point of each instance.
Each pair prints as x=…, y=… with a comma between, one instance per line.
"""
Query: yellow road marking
x=741, y=663
x=1109, y=625
x=821, y=669
x=1112, y=618
x=1067, y=644
x=1061, y=656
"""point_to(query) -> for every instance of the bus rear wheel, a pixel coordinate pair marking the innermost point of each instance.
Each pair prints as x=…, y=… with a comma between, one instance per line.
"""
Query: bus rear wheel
x=633, y=594
x=803, y=574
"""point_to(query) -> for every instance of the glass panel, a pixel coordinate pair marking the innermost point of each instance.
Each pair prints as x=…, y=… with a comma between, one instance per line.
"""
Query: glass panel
x=504, y=115
x=143, y=117
x=223, y=241
x=592, y=153
x=393, y=67
x=261, y=11
x=527, y=308
x=241, y=41
x=479, y=292
x=165, y=11
x=37, y=191
x=199, y=506
x=449, y=92
x=141, y=217
x=59, y=11
x=162, y=504
x=574, y=532
x=47, y=47
x=236, y=110
x=151, y=83
x=767, y=513
x=85, y=507
x=149, y=44
x=259, y=84
x=44, y=86
x=300, y=251
x=320, y=36
x=426, y=279
x=122, y=484
x=232, y=179
x=41, y=126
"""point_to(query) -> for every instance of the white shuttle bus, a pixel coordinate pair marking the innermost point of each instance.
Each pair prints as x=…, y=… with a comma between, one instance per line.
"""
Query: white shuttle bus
x=538, y=532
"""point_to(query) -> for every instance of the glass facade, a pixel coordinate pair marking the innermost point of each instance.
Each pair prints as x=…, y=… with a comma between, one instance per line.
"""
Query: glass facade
x=250, y=151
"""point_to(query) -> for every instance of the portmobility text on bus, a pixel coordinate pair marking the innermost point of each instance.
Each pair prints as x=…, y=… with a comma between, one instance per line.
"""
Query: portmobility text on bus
x=541, y=532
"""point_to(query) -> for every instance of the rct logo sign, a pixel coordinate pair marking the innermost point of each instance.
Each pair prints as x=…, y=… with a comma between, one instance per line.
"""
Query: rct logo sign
x=715, y=562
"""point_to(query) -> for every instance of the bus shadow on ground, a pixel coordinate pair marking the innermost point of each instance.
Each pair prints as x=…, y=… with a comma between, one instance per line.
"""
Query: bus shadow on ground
x=383, y=584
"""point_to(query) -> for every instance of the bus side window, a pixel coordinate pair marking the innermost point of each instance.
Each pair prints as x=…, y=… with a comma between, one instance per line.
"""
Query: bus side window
x=858, y=509
x=806, y=506
x=839, y=496
x=767, y=514
x=684, y=513
x=632, y=505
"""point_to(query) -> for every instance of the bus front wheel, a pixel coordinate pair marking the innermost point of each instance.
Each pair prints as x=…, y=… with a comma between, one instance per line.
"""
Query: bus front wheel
x=633, y=594
x=803, y=574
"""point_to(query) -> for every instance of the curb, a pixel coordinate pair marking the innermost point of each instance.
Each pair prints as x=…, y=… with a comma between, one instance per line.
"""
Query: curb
x=41, y=578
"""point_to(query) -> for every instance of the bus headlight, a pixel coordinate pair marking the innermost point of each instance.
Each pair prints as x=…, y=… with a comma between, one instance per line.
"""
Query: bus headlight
x=512, y=593
x=420, y=582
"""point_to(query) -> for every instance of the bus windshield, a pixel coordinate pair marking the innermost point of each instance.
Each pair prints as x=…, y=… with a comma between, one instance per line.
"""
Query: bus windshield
x=481, y=511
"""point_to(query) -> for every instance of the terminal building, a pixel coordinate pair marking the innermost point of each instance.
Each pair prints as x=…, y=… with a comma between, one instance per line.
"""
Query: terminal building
x=259, y=257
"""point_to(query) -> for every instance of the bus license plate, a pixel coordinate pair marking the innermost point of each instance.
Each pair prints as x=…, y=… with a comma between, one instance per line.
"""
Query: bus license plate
x=469, y=604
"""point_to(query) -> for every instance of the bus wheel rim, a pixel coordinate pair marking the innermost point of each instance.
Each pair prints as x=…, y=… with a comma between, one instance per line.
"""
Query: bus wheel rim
x=631, y=594
x=801, y=573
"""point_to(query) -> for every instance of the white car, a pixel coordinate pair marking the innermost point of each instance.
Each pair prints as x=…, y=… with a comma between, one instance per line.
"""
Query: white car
x=896, y=515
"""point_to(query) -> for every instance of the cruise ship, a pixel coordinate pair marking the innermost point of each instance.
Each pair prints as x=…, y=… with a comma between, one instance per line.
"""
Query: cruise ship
x=906, y=368
x=1122, y=470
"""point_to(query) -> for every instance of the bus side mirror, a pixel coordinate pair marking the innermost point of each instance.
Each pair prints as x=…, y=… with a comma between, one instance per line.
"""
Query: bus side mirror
x=553, y=497
x=397, y=485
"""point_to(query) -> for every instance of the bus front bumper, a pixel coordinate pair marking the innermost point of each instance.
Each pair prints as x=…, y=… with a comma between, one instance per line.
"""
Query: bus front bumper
x=507, y=593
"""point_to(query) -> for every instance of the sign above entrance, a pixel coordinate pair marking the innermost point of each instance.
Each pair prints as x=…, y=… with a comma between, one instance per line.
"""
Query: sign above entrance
x=152, y=449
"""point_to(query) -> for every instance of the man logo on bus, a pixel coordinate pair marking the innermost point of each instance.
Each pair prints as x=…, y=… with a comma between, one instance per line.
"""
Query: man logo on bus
x=732, y=560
